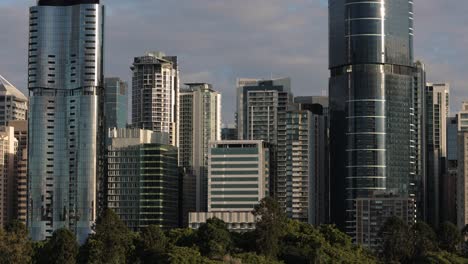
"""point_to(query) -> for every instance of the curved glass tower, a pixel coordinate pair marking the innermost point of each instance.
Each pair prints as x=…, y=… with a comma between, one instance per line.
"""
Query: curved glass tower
x=371, y=102
x=65, y=86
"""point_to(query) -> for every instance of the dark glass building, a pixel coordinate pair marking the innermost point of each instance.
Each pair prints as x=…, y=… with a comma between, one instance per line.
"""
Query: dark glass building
x=371, y=103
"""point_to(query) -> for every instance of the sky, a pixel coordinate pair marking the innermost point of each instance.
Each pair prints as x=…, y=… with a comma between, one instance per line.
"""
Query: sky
x=218, y=41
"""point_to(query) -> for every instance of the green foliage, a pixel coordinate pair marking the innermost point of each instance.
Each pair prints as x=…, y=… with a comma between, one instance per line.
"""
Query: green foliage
x=306, y=244
x=397, y=241
x=183, y=255
x=424, y=239
x=252, y=258
x=62, y=248
x=151, y=245
x=270, y=227
x=214, y=238
x=111, y=243
x=441, y=258
x=450, y=237
x=182, y=237
x=15, y=246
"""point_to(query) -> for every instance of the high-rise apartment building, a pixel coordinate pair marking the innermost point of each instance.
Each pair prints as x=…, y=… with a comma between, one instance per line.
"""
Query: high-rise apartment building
x=238, y=178
x=436, y=114
x=462, y=162
x=65, y=121
x=261, y=115
x=155, y=94
x=8, y=146
x=13, y=103
x=261, y=104
x=115, y=103
x=371, y=96
x=143, y=179
x=21, y=169
x=200, y=123
x=319, y=184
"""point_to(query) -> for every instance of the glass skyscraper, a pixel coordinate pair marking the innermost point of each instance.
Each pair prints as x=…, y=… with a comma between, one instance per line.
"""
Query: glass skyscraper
x=65, y=88
x=371, y=102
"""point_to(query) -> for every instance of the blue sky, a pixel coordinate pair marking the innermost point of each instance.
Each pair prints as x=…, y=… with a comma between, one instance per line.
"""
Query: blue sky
x=218, y=41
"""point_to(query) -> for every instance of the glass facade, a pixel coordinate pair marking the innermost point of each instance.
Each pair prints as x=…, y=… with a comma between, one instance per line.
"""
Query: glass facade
x=65, y=124
x=115, y=103
x=371, y=99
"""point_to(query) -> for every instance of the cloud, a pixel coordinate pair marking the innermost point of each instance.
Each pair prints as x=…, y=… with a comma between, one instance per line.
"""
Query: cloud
x=220, y=41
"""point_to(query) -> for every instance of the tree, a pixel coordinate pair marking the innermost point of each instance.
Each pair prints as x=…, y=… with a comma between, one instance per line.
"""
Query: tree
x=182, y=237
x=152, y=245
x=252, y=258
x=270, y=226
x=184, y=255
x=61, y=248
x=425, y=239
x=450, y=237
x=111, y=243
x=396, y=241
x=15, y=246
x=214, y=238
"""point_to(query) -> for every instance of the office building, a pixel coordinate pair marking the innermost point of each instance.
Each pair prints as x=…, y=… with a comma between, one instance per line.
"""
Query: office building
x=238, y=178
x=372, y=212
x=8, y=144
x=143, y=179
x=65, y=123
x=155, y=94
x=115, y=103
x=13, y=103
x=436, y=114
x=200, y=123
x=371, y=90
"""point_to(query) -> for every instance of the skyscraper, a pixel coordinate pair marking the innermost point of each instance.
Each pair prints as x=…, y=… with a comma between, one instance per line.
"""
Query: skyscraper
x=115, y=103
x=200, y=123
x=13, y=103
x=314, y=140
x=371, y=97
x=261, y=115
x=66, y=88
x=436, y=114
x=155, y=94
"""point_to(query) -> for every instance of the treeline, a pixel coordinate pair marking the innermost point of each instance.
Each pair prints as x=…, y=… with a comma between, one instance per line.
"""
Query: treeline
x=276, y=240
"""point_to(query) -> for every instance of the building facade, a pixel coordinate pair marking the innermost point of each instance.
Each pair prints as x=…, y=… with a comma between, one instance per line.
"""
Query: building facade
x=200, y=123
x=155, y=94
x=65, y=124
x=115, y=103
x=436, y=114
x=229, y=132
x=143, y=179
x=238, y=178
x=8, y=147
x=13, y=103
x=21, y=169
x=319, y=183
x=371, y=214
x=371, y=96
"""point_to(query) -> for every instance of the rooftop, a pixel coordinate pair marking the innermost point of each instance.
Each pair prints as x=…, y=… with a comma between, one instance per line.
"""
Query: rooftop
x=6, y=88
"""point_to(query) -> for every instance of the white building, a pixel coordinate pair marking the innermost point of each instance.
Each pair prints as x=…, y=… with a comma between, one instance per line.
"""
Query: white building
x=155, y=94
x=238, y=178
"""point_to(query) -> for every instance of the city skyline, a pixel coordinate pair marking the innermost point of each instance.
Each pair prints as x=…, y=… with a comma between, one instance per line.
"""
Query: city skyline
x=280, y=41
